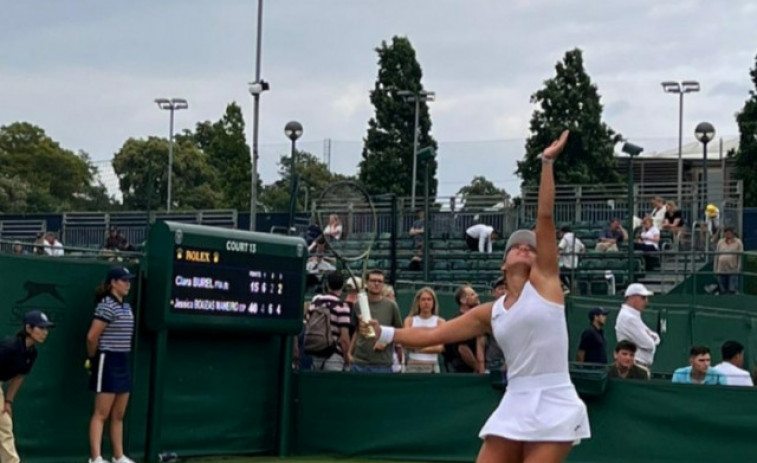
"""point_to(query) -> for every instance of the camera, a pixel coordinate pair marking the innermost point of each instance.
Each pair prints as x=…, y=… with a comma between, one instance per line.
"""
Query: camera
x=631, y=149
x=256, y=88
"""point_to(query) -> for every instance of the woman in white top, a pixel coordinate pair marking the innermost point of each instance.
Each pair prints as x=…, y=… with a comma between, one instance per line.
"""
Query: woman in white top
x=334, y=228
x=540, y=415
x=424, y=313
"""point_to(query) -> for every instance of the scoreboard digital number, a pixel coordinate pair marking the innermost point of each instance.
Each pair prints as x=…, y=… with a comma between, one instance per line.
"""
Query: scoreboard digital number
x=206, y=277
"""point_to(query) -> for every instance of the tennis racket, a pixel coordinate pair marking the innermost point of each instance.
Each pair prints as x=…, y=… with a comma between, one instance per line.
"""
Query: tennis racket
x=352, y=206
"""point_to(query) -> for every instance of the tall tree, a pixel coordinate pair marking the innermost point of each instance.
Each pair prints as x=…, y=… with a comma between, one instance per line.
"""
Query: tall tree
x=387, y=163
x=569, y=100
x=225, y=144
x=746, y=156
x=55, y=179
x=314, y=177
x=142, y=170
x=481, y=192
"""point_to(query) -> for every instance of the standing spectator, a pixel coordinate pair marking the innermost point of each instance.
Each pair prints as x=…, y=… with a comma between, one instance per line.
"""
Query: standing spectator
x=466, y=356
x=727, y=264
x=569, y=247
x=730, y=367
x=479, y=237
x=334, y=228
x=424, y=313
x=624, y=366
x=630, y=327
x=649, y=242
x=712, y=222
x=108, y=348
x=416, y=231
x=494, y=358
x=369, y=355
x=593, y=347
x=699, y=370
x=611, y=237
x=17, y=357
x=339, y=317
x=658, y=211
x=53, y=247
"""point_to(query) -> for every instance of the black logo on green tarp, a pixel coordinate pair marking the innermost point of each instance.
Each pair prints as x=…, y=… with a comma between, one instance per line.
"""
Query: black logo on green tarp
x=34, y=289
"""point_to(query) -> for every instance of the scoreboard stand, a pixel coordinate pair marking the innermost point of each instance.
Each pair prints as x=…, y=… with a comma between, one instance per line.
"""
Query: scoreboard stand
x=209, y=279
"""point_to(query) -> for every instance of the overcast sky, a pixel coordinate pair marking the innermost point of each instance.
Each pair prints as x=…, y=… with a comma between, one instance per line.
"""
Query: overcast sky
x=88, y=71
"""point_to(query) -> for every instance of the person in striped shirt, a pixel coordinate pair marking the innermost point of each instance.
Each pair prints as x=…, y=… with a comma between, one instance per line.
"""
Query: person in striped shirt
x=108, y=348
x=340, y=324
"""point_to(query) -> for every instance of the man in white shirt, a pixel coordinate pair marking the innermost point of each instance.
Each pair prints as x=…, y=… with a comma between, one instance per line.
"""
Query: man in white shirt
x=53, y=247
x=630, y=327
x=480, y=237
x=733, y=360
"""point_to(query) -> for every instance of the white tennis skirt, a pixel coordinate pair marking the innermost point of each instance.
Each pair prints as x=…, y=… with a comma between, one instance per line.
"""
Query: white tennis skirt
x=539, y=408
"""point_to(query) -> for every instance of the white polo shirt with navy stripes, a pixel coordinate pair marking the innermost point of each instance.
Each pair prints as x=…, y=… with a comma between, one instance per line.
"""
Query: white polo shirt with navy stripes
x=117, y=335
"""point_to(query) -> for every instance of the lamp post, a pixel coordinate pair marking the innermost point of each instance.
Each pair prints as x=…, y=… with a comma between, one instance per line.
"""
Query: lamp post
x=632, y=151
x=293, y=131
x=426, y=155
x=256, y=88
x=416, y=97
x=174, y=104
x=680, y=88
x=705, y=133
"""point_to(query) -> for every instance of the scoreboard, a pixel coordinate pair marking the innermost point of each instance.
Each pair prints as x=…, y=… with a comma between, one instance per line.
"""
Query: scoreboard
x=201, y=277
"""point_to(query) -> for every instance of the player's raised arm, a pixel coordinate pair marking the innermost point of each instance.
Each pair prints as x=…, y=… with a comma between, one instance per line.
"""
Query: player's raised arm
x=546, y=251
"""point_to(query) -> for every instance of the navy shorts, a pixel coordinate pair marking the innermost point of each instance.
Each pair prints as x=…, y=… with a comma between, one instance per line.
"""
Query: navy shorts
x=111, y=373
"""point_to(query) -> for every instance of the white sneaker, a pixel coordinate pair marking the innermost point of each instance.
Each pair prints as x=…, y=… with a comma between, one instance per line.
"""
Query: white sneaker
x=123, y=459
x=97, y=460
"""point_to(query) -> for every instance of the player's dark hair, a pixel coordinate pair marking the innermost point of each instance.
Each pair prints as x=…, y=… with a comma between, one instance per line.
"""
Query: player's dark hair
x=102, y=290
x=460, y=292
x=731, y=349
x=626, y=345
x=698, y=350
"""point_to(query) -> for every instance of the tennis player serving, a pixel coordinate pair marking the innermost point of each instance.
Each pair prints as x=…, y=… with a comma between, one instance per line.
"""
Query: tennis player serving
x=540, y=416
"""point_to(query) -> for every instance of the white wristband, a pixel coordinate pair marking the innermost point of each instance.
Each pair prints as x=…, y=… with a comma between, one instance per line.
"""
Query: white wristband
x=387, y=335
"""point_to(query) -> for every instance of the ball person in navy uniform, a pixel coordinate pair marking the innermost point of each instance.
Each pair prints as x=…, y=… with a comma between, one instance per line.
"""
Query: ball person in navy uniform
x=17, y=357
x=108, y=350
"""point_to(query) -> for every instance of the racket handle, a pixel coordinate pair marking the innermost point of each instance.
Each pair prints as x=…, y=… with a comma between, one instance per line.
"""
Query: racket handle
x=365, y=312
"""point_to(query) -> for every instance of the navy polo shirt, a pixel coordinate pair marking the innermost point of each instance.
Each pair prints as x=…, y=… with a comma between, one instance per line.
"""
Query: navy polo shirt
x=594, y=345
x=15, y=358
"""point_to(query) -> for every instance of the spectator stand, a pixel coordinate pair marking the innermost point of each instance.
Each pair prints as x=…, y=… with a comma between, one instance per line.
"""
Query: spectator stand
x=22, y=230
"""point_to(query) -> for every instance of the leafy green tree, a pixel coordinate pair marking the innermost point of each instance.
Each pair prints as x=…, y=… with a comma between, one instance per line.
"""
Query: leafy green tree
x=55, y=179
x=142, y=170
x=387, y=163
x=228, y=153
x=481, y=192
x=314, y=177
x=746, y=156
x=569, y=100
x=13, y=194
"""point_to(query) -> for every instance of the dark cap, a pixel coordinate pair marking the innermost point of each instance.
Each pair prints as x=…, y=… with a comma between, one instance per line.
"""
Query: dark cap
x=498, y=282
x=38, y=319
x=119, y=273
x=597, y=311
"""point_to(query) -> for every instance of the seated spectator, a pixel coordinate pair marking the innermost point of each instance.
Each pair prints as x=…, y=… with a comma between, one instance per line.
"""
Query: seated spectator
x=479, y=237
x=494, y=358
x=658, y=211
x=312, y=233
x=424, y=313
x=466, y=356
x=53, y=247
x=649, y=242
x=116, y=241
x=334, y=228
x=727, y=265
x=699, y=370
x=593, y=347
x=319, y=263
x=611, y=237
x=416, y=231
x=18, y=248
x=625, y=365
x=673, y=221
x=569, y=247
x=39, y=244
x=730, y=367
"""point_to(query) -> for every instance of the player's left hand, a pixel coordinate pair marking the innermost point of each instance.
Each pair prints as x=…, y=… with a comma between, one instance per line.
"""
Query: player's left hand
x=557, y=146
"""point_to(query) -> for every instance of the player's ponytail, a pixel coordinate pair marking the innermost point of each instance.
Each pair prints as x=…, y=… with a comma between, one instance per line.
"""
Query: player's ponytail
x=102, y=290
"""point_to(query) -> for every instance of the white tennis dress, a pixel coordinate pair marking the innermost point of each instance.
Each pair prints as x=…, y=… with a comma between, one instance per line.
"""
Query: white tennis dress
x=540, y=403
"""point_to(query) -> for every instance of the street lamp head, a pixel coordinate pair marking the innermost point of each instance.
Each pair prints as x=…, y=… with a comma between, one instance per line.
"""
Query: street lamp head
x=256, y=88
x=179, y=103
x=293, y=130
x=405, y=93
x=172, y=104
x=690, y=86
x=427, y=95
x=671, y=87
x=704, y=132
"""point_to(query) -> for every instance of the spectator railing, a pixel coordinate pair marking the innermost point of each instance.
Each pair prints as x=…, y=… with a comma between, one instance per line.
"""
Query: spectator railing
x=32, y=249
x=21, y=229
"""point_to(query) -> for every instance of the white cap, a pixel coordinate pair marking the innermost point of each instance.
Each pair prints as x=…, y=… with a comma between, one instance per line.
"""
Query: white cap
x=351, y=284
x=637, y=289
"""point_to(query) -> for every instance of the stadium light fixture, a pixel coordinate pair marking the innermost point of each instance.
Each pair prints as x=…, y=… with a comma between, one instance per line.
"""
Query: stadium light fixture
x=171, y=105
x=680, y=88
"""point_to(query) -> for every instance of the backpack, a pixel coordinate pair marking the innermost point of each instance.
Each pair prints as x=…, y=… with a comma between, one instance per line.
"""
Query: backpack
x=318, y=339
